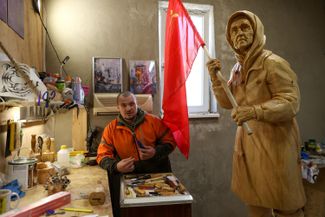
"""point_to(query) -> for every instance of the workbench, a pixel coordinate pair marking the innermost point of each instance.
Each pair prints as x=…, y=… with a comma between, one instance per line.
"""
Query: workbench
x=83, y=181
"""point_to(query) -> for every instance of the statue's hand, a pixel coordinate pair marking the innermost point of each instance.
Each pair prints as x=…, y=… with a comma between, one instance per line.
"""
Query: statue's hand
x=242, y=114
x=214, y=66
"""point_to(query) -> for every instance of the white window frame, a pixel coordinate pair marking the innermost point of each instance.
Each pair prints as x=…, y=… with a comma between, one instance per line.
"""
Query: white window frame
x=209, y=108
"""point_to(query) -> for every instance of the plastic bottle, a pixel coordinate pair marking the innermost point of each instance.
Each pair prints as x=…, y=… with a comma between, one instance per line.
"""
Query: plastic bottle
x=78, y=92
x=63, y=156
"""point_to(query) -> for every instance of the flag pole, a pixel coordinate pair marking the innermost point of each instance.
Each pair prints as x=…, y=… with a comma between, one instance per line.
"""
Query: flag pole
x=228, y=92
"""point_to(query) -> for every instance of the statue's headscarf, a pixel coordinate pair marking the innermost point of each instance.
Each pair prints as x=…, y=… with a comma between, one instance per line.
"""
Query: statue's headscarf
x=258, y=41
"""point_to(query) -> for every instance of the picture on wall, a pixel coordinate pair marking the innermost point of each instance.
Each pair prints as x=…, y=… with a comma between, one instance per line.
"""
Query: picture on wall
x=142, y=76
x=107, y=75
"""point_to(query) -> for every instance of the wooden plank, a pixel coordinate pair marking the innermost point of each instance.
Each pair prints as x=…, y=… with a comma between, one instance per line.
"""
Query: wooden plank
x=29, y=50
x=71, y=129
x=79, y=130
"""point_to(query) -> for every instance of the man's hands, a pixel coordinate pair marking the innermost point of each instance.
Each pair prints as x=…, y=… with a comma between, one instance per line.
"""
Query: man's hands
x=125, y=165
x=242, y=114
x=147, y=152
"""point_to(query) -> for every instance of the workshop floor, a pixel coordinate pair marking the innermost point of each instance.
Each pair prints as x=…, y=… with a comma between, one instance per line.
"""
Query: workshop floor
x=315, y=193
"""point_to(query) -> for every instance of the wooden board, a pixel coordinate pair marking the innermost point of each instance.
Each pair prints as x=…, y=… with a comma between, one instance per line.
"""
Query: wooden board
x=71, y=129
x=31, y=49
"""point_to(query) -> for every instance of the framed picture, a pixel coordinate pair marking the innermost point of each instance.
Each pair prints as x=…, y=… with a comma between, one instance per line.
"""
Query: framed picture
x=143, y=76
x=107, y=75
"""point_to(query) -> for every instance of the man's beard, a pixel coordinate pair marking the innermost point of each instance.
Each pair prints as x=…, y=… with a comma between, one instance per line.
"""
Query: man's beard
x=130, y=117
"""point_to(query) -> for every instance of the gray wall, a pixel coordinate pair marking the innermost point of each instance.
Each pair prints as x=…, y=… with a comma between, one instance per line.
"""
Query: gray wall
x=128, y=29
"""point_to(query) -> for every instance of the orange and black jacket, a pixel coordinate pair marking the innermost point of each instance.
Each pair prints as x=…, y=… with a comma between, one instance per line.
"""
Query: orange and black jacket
x=121, y=140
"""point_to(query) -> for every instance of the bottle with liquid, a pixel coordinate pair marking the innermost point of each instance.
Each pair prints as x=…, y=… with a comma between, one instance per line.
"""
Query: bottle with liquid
x=78, y=92
x=63, y=156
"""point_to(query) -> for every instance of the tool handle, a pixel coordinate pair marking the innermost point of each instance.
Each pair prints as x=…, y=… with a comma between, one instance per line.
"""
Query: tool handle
x=77, y=210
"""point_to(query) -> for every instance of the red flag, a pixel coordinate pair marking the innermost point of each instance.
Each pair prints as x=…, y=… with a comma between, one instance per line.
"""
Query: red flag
x=182, y=42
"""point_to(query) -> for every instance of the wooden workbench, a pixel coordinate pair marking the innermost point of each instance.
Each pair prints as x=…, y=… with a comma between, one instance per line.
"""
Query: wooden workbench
x=83, y=181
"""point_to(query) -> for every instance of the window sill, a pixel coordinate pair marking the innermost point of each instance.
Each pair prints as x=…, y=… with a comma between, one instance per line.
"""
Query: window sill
x=203, y=115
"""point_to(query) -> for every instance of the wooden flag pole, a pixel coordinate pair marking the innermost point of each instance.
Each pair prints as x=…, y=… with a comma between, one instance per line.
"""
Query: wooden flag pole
x=228, y=92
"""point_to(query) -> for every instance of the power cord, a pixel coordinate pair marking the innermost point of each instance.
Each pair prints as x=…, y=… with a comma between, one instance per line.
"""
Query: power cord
x=36, y=9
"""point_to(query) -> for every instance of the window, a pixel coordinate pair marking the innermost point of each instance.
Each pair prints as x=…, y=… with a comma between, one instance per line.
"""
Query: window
x=200, y=100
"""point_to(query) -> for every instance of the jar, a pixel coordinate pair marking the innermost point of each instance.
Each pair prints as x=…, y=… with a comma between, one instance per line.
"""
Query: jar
x=312, y=145
x=60, y=84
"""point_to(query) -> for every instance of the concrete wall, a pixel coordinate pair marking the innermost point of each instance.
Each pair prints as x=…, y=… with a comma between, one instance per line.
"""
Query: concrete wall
x=129, y=29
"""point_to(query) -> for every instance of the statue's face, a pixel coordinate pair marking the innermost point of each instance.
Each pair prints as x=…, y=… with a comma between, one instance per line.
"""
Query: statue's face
x=241, y=34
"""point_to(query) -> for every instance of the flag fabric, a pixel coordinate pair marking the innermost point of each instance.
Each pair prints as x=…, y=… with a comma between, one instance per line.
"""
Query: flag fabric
x=182, y=42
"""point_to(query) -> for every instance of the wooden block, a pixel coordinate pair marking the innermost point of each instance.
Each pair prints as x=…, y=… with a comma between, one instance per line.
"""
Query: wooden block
x=79, y=130
x=97, y=198
x=48, y=156
x=44, y=174
x=38, y=157
x=71, y=129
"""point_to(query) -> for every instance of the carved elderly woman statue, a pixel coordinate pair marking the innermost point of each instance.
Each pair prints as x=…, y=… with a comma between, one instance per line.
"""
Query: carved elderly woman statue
x=266, y=165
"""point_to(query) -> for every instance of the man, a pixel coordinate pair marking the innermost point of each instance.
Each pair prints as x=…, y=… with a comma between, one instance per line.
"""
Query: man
x=266, y=164
x=135, y=142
